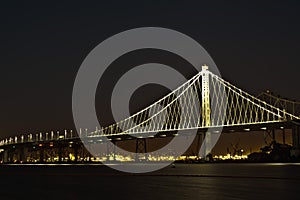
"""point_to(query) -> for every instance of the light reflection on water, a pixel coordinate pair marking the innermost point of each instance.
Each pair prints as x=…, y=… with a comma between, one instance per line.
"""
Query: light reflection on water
x=194, y=181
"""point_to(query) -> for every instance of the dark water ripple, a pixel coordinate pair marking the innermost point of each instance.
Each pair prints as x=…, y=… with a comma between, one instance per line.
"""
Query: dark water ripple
x=194, y=181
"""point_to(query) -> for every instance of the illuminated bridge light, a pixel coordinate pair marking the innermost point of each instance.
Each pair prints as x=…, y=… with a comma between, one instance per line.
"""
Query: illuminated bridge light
x=235, y=117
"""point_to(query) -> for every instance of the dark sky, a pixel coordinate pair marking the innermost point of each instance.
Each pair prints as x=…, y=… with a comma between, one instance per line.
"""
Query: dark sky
x=255, y=45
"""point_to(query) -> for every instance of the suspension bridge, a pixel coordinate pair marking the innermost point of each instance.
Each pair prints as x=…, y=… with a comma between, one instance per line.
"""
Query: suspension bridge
x=205, y=103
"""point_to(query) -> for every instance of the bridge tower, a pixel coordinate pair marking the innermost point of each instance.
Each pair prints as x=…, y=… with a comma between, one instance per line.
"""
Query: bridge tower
x=206, y=110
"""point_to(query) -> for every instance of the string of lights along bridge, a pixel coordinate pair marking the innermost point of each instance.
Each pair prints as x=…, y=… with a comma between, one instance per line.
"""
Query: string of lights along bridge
x=204, y=102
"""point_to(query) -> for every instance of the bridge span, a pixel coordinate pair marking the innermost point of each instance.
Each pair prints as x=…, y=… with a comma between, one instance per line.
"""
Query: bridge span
x=205, y=103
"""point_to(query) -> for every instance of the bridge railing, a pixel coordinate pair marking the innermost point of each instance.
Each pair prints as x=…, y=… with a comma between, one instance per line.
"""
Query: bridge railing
x=40, y=137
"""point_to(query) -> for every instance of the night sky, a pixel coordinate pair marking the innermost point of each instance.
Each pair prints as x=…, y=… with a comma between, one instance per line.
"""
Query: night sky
x=255, y=45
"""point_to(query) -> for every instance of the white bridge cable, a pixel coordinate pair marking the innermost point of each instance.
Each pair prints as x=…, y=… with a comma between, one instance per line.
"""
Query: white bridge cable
x=148, y=114
x=181, y=110
x=157, y=119
x=262, y=105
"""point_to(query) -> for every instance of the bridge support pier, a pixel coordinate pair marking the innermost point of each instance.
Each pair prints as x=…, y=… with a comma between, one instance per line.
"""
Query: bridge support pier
x=60, y=152
x=198, y=144
x=273, y=135
x=296, y=138
x=22, y=154
x=5, y=156
x=1, y=157
x=295, y=152
x=111, y=149
x=206, y=145
x=140, y=147
x=283, y=136
x=202, y=147
x=76, y=152
x=11, y=153
x=41, y=153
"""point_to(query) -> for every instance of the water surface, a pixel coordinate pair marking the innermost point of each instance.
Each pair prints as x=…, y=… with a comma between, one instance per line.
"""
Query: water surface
x=185, y=181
